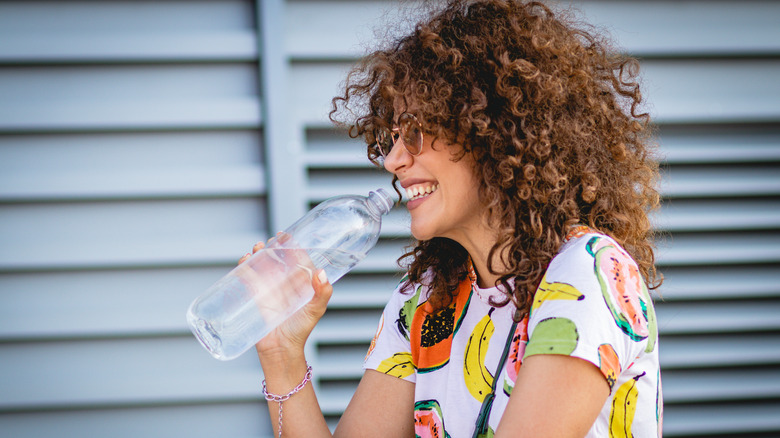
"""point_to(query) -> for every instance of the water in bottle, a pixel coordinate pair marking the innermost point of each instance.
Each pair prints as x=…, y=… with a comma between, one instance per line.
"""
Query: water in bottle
x=263, y=291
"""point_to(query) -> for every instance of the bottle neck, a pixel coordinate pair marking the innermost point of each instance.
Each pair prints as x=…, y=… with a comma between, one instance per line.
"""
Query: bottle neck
x=379, y=202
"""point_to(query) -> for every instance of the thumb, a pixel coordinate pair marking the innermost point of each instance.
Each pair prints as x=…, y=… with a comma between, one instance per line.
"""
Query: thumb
x=323, y=290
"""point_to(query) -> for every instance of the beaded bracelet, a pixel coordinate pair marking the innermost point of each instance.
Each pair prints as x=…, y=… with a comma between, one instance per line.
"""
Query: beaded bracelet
x=283, y=398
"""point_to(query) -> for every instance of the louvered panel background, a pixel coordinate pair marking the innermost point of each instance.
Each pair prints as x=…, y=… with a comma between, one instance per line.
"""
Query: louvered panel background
x=133, y=173
x=131, y=177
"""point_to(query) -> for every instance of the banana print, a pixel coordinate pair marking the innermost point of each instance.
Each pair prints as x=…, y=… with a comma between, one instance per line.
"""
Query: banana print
x=554, y=291
x=479, y=380
x=621, y=418
x=398, y=365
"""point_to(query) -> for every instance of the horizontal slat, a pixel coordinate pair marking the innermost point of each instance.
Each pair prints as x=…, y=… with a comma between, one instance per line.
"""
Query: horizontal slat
x=126, y=31
x=107, y=115
x=73, y=304
x=331, y=148
x=718, y=215
x=720, y=385
x=151, y=182
x=355, y=291
x=43, y=153
x=332, y=330
x=335, y=396
x=717, y=282
x=707, y=351
x=749, y=143
x=660, y=28
x=124, y=16
x=720, y=317
x=100, y=97
x=158, y=251
x=141, y=83
x=712, y=91
x=326, y=183
x=719, y=182
x=244, y=419
x=339, y=362
x=338, y=160
x=701, y=249
x=40, y=225
x=718, y=420
x=239, y=45
x=114, y=372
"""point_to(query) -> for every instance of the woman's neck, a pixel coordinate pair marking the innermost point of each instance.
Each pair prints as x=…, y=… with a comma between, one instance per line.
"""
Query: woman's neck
x=478, y=245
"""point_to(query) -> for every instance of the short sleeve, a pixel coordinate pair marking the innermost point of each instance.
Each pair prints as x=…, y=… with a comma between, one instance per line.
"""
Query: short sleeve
x=593, y=304
x=390, y=350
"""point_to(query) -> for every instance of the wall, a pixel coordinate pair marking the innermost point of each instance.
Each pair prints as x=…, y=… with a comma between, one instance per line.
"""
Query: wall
x=145, y=145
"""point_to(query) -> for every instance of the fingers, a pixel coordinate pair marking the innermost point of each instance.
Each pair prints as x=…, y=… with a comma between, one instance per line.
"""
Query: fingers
x=257, y=247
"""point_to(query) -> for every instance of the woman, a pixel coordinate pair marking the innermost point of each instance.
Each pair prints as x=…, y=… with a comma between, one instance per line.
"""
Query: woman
x=525, y=310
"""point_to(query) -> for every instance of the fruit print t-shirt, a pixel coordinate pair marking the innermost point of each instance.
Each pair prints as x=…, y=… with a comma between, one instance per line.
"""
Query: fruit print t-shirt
x=592, y=304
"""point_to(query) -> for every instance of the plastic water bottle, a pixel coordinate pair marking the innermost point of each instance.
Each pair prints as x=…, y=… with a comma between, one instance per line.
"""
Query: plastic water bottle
x=263, y=291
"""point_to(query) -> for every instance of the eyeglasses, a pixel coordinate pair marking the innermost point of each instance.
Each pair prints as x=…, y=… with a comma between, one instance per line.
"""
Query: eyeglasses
x=409, y=130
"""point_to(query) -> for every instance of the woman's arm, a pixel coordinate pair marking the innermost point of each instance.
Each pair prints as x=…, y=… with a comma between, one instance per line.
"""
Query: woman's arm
x=555, y=396
x=382, y=406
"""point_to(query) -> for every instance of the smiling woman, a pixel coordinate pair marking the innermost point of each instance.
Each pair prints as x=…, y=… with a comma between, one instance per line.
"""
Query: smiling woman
x=528, y=165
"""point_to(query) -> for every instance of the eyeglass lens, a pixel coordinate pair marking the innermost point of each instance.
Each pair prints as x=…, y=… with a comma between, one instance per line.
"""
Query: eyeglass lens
x=410, y=131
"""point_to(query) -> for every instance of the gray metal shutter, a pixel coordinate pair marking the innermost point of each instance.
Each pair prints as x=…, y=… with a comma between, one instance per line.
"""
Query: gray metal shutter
x=133, y=174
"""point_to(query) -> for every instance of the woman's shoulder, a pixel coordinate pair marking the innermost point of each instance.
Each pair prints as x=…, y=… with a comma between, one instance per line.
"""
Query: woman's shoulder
x=585, y=243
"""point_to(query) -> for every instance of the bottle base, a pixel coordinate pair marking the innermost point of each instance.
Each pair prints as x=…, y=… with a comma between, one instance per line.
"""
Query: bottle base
x=208, y=337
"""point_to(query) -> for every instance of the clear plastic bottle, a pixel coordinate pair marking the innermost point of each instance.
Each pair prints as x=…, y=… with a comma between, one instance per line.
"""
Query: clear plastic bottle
x=263, y=291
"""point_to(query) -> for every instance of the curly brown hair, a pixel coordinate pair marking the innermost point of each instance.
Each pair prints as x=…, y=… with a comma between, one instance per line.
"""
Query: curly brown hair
x=550, y=114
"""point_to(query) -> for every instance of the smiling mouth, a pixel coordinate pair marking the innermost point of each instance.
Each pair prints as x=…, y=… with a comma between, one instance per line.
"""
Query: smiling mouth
x=418, y=192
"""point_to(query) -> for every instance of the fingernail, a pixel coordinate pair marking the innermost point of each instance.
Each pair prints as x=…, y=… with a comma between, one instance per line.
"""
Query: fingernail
x=322, y=276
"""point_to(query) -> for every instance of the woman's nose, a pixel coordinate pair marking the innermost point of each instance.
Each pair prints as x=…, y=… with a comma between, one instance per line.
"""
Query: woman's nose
x=398, y=157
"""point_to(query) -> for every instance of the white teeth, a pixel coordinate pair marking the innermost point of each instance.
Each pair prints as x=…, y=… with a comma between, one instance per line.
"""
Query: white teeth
x=417, y=192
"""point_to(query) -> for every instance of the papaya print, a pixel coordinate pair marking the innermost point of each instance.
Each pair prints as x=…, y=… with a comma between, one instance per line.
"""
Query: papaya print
x=398, y=365
x=553, y=336
x=428, y=420
x=515, y=358
x=621, y=418
x=431, y=332
x=406, y=313
x=609, y=364
x=479, y=379
x=376, y=336
x=622, y=288
x=554, y=291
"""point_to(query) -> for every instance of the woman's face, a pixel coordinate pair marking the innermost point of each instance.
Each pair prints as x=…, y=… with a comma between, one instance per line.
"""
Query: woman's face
x=442, y=192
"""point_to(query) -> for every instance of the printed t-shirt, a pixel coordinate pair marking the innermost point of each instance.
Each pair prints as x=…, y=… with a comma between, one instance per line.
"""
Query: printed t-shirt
x=592, y=304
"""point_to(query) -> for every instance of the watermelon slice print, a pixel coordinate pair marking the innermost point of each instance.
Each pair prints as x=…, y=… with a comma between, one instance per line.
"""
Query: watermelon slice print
x=622, y=288
x=428, y=420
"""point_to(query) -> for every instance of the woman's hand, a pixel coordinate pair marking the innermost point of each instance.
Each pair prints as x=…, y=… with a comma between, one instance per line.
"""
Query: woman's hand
x=287, y=340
